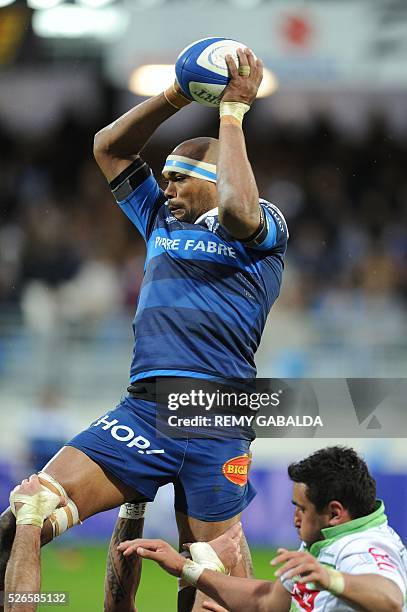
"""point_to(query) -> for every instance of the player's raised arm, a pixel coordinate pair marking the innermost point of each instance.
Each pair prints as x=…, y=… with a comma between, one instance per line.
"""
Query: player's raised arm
x=238, y=197
x=119, y=143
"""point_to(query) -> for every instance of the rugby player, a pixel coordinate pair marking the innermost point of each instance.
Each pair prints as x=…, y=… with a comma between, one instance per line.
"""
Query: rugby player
x=213, y=270
x=31, y=505
x=349, y=559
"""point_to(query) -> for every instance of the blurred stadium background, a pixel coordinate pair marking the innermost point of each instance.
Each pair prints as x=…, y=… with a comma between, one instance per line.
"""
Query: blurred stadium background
x=329, y=146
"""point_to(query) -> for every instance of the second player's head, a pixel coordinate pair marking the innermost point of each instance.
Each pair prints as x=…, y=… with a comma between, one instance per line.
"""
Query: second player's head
x=190, y=173
x=331, y=487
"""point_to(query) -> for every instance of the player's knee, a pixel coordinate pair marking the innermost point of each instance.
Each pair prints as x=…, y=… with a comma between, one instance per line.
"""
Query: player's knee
x=63, y=518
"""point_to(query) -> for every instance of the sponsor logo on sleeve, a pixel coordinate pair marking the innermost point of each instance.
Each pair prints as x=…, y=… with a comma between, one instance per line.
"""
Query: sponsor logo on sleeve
x=382, y=559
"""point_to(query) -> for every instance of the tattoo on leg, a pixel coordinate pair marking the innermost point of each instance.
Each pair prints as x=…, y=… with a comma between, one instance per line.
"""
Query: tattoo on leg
x=122, y=573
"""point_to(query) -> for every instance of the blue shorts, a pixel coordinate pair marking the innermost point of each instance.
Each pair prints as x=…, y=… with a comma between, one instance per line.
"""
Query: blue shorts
x=210, y=476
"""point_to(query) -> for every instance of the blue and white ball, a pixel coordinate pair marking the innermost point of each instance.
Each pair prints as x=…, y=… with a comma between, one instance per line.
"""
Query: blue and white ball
x=201, y=69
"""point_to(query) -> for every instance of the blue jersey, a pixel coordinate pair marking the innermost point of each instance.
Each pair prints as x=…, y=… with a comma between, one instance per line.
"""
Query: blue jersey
x=205, y=296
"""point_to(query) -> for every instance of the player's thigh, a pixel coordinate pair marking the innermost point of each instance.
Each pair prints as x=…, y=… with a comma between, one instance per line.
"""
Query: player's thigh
x=118, y=458
x=213, y=485
x=89, y=485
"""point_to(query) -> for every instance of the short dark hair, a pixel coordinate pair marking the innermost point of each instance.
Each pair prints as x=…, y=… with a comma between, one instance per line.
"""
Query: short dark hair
x=336, y=473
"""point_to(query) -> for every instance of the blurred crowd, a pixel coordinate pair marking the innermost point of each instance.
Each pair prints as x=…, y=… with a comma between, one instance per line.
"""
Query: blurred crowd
x=67, y=251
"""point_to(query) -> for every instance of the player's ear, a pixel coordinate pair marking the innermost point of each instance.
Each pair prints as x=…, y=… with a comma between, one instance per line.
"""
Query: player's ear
x=337, y=513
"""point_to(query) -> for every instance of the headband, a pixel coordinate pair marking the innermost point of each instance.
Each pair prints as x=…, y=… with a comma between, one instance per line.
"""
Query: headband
x=191, y=167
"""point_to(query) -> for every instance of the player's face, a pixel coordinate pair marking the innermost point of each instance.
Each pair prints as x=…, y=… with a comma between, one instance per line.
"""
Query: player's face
x=189, y=197
x=307, y=520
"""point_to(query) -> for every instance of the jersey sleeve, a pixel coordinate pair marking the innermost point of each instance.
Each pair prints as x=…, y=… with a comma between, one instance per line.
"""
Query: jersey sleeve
x=376, y=557
x=272, y=234
x=137, y=193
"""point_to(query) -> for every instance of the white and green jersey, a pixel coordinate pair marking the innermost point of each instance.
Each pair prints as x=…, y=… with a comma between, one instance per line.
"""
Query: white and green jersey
x=366, y=545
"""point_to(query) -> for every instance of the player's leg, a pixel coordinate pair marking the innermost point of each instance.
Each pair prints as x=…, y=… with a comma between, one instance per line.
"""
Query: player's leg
x=194, y=530
x=211, y=491
x=123, y=573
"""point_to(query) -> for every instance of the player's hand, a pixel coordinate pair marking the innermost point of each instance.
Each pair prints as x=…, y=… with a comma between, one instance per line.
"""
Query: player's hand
x=243, y=88
x=303, y=566
x=213, y=606
x=31, y=486
x=227, y=546
x=157, y=550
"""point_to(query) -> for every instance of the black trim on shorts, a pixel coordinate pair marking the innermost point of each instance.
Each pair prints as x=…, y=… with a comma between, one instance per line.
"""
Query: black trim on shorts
x=127, y=181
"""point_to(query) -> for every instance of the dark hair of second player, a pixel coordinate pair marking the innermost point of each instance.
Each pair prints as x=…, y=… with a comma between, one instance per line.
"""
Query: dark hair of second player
x=336, y=473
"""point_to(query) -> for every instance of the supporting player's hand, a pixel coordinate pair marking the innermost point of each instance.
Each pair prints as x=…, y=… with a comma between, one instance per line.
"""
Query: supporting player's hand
x=227, y=546
x=243, y=88
x=303, y=566
x=157, y=550
x=31, y=486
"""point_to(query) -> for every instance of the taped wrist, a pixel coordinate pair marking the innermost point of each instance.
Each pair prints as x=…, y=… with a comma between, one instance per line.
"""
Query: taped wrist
x=191, y=572
x=336, y=581
x=203, y=557
x=36, y=508
x=237, y=110
x=176, y=98
x=133, y=511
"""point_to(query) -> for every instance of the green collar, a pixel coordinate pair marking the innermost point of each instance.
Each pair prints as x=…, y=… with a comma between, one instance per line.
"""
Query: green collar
x=332, y=534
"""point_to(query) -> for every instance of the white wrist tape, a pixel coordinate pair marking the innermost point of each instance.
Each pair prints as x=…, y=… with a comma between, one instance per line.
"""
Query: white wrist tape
x=36, y=508
x=191, y=572
x=204, y=557
x=133, y=511
x=336, y=581
x=233, y=109
x=203, y=553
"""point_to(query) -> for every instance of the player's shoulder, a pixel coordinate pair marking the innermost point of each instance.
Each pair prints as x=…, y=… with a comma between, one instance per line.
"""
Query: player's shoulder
x=381, y=537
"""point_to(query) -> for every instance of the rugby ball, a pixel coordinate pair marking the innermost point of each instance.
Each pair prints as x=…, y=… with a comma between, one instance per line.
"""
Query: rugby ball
x=201, y=69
